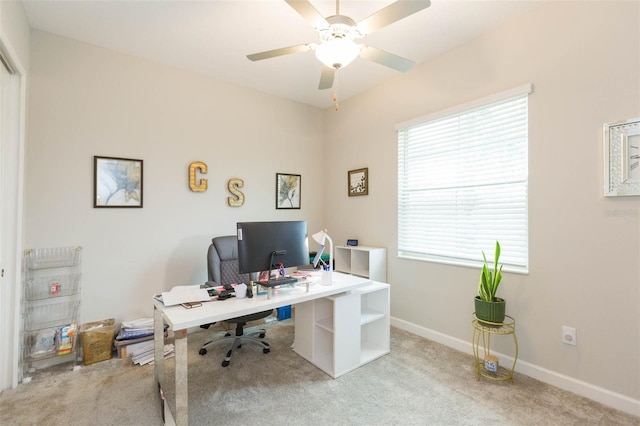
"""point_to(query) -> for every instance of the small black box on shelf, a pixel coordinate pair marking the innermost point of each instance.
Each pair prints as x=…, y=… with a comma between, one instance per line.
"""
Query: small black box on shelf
x=352, y=242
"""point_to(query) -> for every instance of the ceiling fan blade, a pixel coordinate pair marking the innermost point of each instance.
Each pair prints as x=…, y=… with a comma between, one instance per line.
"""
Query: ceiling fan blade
x=390, y=14
x=326, y=78
x=279, y=52
x=309, y=13
x=385, y=58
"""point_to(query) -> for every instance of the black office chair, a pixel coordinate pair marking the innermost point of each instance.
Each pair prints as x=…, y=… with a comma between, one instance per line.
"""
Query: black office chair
x=222, y=264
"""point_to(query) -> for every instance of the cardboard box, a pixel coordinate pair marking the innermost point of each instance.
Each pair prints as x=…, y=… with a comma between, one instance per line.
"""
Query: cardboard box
x=97, y=338
x=121, y=345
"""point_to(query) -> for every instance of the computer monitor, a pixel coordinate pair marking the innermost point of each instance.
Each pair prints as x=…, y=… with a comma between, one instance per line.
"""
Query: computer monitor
x=262, y=245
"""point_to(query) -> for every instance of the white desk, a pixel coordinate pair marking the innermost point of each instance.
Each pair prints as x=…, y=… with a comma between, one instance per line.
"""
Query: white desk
x=180, y=319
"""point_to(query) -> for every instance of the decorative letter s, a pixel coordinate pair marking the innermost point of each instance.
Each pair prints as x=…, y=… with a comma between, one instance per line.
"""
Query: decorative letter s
x=197, y=165
x=238, y=197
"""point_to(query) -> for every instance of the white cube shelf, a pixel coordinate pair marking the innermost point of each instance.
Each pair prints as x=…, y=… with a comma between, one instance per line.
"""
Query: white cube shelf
x=340, y=333
x=363, y=261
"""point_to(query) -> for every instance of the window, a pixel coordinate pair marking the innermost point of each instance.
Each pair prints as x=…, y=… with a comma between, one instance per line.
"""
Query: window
x=462, y=183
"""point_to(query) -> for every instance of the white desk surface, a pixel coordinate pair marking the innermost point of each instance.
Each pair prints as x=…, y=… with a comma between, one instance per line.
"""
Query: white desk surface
x=180, y=318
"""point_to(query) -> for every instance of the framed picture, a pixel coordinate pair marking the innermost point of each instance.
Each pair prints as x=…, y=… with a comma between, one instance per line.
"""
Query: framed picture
x=117, y=182
x=288, y=188
x=358, y=182
x=622, y=158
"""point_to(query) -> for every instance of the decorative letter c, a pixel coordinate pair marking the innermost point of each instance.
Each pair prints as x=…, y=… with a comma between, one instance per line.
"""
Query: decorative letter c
x=197, y=165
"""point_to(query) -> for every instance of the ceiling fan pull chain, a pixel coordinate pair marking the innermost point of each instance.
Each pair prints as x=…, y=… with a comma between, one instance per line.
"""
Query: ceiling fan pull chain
x=335, y=92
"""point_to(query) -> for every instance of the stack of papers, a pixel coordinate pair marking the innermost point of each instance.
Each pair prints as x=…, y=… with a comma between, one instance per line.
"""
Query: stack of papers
x=139, y=323
x=184, y=294
x=141, y=327
x=142, y=354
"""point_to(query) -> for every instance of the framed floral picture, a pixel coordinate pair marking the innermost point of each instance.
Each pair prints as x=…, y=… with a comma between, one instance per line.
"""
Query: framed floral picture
x=288, y=191
x=117, y=182
x=358, y=182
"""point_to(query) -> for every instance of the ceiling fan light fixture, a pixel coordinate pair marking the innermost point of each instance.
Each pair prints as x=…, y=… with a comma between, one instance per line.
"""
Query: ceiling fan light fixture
x=338, y=52
x=337, y=33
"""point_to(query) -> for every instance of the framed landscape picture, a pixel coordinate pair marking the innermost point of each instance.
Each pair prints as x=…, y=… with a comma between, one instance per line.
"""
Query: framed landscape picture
x=288, y=191
x=117, y=182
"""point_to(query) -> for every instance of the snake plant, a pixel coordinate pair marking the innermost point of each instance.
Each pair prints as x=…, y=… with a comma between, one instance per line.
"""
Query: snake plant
x=490, y=279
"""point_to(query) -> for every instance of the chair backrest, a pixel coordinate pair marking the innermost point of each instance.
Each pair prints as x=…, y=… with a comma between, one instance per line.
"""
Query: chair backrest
x=222, y=261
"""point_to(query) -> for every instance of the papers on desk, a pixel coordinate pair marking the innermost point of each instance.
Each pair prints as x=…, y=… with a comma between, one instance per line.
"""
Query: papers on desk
x=184, y=294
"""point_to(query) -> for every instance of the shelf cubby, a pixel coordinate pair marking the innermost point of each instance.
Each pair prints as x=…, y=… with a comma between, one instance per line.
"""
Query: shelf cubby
x=363, y=261
x=340, y=333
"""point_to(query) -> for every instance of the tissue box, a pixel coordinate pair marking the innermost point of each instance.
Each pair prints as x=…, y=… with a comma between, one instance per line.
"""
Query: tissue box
x=491, y=363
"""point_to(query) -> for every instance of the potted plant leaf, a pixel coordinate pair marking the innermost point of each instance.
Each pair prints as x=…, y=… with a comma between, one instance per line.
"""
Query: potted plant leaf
x=490, y=308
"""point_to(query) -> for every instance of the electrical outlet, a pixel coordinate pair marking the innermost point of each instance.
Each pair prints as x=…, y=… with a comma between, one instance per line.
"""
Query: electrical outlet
x=569, y=335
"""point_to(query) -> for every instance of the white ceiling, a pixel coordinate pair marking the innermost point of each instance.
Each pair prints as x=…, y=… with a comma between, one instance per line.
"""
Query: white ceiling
x=213, y=37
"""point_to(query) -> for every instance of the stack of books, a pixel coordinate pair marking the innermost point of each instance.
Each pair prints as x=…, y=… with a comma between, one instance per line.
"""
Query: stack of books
x=136, y=329
x=135, y=336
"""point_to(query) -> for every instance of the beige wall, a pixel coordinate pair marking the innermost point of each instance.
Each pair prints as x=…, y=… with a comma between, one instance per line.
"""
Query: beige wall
x=583, y=59
x=86, y=101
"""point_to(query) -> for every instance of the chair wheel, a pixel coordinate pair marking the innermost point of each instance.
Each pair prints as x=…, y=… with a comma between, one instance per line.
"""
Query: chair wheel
x=266, y=351
x=227, y=335
x=239, y=346
x=225, y=363
x=202, y=351
x=261, y=335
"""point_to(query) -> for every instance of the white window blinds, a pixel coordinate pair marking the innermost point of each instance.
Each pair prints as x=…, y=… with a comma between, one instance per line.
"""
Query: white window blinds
x=462, y=183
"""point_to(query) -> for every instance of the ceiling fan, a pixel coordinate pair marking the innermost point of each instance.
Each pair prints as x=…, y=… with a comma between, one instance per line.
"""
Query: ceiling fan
x=337, y=47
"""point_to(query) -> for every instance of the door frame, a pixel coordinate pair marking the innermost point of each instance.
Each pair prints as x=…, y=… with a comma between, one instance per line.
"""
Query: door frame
x=12, y=146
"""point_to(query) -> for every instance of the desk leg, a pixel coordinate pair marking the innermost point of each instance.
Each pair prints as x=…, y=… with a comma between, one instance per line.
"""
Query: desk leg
x=158, y=354
x=182, y=382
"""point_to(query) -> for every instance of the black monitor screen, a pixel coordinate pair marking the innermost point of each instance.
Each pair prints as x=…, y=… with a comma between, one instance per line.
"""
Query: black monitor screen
x=260, y=243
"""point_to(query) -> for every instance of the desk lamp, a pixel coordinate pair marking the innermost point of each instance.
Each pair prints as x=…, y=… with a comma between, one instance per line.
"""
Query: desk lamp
x=320, y=238
x=318, y=258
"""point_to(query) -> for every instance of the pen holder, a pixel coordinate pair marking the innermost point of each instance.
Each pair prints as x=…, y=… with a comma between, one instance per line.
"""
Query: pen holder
x=326, y=278
x=241, y=291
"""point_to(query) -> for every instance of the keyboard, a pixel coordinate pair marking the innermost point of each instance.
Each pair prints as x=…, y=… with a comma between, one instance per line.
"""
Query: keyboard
x=278, y=281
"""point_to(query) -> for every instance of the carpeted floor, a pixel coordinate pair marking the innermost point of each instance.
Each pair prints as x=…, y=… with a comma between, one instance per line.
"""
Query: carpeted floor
x=419, y=383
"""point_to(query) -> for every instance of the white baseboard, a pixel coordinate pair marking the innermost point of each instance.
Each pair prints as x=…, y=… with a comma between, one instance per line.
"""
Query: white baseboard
x=587, y=390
